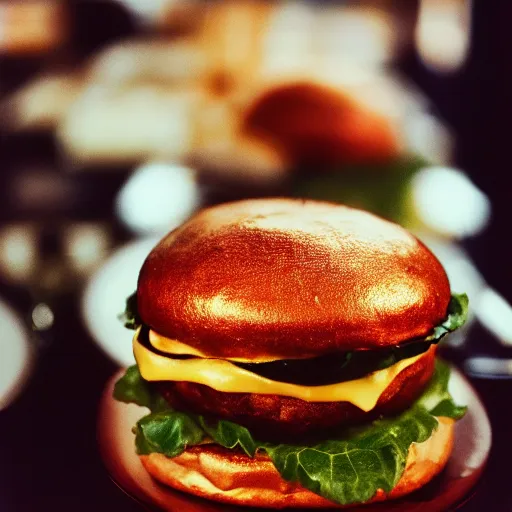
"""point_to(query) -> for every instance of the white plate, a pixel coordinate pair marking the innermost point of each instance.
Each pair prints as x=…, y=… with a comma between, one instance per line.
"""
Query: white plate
x=105, y=298
x=15, y=355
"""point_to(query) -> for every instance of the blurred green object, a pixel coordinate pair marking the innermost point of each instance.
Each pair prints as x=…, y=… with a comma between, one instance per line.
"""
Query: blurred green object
x=381, y=189
x=130, y=317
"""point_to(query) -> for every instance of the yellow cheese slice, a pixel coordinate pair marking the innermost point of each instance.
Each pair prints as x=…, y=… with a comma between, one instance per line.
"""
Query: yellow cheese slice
x=170, y=346
x=229, y=378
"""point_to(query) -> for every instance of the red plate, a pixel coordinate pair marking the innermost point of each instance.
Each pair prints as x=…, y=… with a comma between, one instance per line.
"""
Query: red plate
x=451, y=488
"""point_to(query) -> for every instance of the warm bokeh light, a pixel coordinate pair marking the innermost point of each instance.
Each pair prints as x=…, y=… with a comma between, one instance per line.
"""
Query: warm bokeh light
x=42, y=317
x=107, y=125
x=86, y=245
x=15, y=355
x=443, y=33
x=31, y=27
x=18, y=252
x=158, y=197
x=148, y=10
x=425, y=134
x=447, y=202
x=41, y=103
x=489, y=367
x=161, y=63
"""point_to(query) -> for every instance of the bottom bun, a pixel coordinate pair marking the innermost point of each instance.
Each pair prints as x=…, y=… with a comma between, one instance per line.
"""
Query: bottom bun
x=223, y=475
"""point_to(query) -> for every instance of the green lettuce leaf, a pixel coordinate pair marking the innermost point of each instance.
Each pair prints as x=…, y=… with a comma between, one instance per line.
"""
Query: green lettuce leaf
x=130, y=317
x=437, y=399
x=167, y=432
x=348, y=469
x=231, y=435
x=352, y=469
x=132, y=388
x=457, y=315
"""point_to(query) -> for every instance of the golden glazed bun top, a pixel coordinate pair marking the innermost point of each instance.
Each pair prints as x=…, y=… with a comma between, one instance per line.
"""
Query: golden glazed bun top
x=290, y=278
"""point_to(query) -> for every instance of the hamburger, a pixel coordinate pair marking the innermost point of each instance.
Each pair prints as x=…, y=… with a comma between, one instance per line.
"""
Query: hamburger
x=286, y=351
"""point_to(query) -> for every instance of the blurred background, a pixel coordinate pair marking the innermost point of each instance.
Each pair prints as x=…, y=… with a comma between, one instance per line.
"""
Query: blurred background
x=120, y=119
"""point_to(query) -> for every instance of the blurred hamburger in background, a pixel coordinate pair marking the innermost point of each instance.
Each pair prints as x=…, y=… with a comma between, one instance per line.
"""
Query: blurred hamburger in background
x=321, y=126
x=197, y=91
x=261, y=99
x=286, y=351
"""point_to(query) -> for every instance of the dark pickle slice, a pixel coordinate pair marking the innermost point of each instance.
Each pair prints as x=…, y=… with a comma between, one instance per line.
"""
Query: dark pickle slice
x=333, y=368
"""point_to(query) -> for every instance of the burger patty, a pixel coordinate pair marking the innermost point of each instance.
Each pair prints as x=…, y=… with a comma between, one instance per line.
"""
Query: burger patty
x=276, y=417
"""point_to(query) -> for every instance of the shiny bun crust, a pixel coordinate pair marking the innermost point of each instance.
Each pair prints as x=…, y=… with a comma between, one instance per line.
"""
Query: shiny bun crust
x=290, y=278
x=216, y=473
